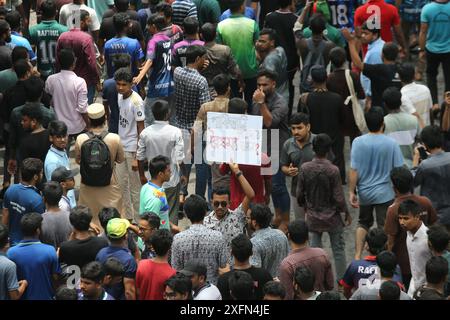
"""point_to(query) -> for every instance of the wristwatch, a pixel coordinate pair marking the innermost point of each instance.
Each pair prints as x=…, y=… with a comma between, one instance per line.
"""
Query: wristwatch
x=238, y=174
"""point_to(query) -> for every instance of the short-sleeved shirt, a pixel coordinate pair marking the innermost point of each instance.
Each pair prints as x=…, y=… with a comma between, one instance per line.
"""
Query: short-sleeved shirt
x=131, y=111
x=8, y=277
x=161, y=77
x=371, y=292
x=207, y=11
x=331, y=33
x=121, y=45
x=56, y=228
x=107, y=30
x=45, y=37
x=342, y=12
x=437, y=17
x=80, y=252
x=420, y=97
x=35, y=145
x=182, y=9
x=265, y=6
x=150, y=278
x=240, y=34
x=179, y=51
x=373, y=156
x=20, y=199
x=18, y=41
x=154, y=199
x=128, y=262
x=382, y=76
x=276, y=61
x=249, y=13
x=36, y=262
x=100, y=6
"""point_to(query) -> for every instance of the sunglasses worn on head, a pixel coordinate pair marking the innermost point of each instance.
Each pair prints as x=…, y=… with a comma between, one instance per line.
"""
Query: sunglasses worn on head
x=223, y=204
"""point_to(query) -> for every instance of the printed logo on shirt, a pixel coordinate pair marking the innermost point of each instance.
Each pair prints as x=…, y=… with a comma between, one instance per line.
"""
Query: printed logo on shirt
x=123, y=122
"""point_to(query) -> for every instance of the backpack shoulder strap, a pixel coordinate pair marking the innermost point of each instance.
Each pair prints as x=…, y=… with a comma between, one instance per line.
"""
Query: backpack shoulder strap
x=90, y=134
x=103, y=134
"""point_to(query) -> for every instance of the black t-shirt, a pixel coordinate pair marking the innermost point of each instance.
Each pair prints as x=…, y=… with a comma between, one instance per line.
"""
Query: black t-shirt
x=111, y=12
x=80, y=252
x=382, y=76
x=107, y=30
x=35, y=145
x=283, y=23
x=260, y=277
x=266, y=6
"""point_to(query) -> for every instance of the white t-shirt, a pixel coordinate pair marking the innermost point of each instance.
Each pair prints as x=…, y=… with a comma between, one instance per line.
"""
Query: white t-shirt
x=209, y=293
x=131, y=110
x=420, y=97
x=69, y=15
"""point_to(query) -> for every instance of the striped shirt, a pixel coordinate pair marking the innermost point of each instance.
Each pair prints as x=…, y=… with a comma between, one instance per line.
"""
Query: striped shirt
x=182, y=9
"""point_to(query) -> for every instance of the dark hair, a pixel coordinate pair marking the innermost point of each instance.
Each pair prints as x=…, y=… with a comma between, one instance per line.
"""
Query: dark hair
x=234, y=5
x=33, y=112
x=406, y=71
x=152, y=218
x=14, y=19
x=221, y=83
x=271, y=33
x=392, y=98
x=190, y=25
x=436, y=270
x=121, y=21
x=318, y=74
x=113, y=267
x=4, y=27
x=66, y=58
x=180, y=284
x=84, y=14
x=107, y=214
x=194, y=52
x=30, y=223
x=30, y=168
x=284, y=3
x=369, y=27
x=274, y=288
x=298, y=231
x=164, y=8
x=19, y=53
x=305, y=279
x=3, y=11
x=65, y=293
x=241, y=248
x=321, y=144
x=195, y=208
x=4, y=235
x=402, y=179
x=208, y=31
x=374, y=118
x=121, y=60
x=387, y=262
x=298, y=118
x=52, y=193
x=272, y=75
x=389, y=290
x=390, y=51
x=121, y=5
x=338, y=57
x=157, y=21
x=241, y=285
x=426, y=293
x=221, y=192
x=21, y=68
x=161, y=110
x=409, y=207
x=34, y=86
x=95, y=123
x=93, y=271
x=123, y=74
x=261, y=214
x=57, y=128
x=431, y=137
x=161, y=242
x=317, y=24
x=80, y=217
x=158, y=164
x=329, y=295
x=376, y=239
x=48, y=9
x=439, y=237
x=237, y=106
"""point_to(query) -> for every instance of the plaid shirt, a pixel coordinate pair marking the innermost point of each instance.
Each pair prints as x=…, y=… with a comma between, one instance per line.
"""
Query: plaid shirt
x=191, y=91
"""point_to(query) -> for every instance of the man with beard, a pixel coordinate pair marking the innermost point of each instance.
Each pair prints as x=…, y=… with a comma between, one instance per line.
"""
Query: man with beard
x=230, y=223
x=23, y=198
x=5, y=51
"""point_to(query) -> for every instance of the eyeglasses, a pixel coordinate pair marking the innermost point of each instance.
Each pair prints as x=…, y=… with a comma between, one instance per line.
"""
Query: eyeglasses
x=170, y=295
x=223, y=204
x=144, y=228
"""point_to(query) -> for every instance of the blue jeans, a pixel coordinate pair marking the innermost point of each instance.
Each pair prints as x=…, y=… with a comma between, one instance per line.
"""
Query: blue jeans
x=337, y=245
x=280, y=195
x=91, y=93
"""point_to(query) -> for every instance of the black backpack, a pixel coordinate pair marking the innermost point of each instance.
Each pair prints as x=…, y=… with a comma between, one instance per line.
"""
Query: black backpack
x=315, y=57
x=95, y=165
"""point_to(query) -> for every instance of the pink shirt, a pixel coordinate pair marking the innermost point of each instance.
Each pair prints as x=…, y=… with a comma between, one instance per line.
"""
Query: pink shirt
x=69, y=99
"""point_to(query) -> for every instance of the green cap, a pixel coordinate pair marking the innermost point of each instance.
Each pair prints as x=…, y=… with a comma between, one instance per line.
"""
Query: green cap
x=117, y=227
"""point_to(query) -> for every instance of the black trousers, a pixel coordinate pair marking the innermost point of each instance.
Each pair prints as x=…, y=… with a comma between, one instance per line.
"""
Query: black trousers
x=433, y=62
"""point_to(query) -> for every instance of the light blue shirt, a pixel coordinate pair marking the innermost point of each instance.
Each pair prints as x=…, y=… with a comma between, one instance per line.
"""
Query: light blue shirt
x=437, y=17
x=373, y=156
x=56, y=158
x=373, y=56
x=18, y=41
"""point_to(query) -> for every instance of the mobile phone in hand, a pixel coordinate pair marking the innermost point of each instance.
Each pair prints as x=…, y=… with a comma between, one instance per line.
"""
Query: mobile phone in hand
x=423, y=153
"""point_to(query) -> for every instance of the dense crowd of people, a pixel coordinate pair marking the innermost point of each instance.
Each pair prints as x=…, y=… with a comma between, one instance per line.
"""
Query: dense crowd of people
x=118, y=93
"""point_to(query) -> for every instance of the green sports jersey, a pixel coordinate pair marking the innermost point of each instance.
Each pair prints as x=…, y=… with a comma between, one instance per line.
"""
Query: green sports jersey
x=240, y=34
x=44, y=37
